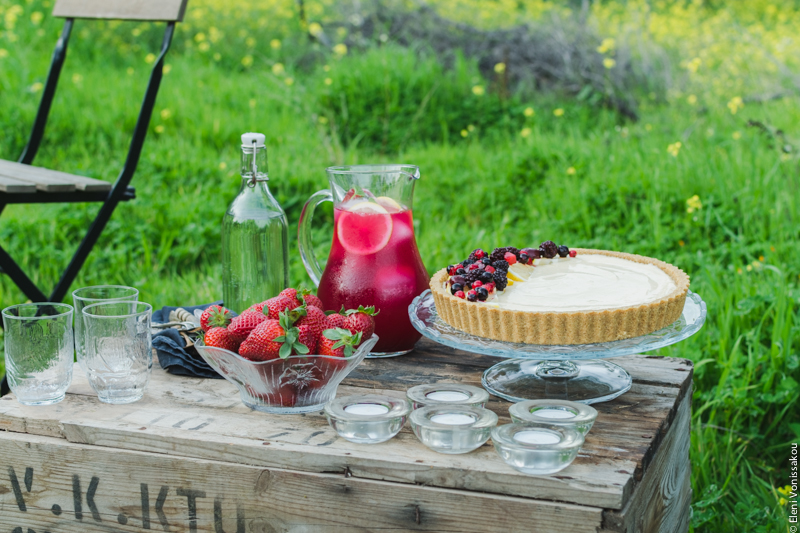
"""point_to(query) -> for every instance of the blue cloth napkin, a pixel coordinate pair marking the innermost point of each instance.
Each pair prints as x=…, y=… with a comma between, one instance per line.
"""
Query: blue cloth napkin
x=173, y=355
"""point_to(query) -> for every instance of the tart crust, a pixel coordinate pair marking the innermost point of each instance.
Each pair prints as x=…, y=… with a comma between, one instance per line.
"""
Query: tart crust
x=580, y=327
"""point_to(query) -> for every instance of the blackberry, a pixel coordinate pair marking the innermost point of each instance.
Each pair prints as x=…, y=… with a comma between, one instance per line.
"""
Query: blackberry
x=486, y=277
x=472, y=276
x=500, y=253
x=500, y=280
x=501, y=265
x=548, y=249
x=563, y=251
x=482, y=294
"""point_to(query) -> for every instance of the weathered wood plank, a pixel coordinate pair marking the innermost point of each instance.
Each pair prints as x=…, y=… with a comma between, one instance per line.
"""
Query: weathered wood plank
x=11, y=185
x=166, y=10
x=51, y=180
x=659, y=501
x=67, y=487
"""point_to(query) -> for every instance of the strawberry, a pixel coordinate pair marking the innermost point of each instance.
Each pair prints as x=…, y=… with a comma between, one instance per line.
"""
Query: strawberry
x=274, y=306
x=292, y=295
x=220, y=338
x=215, y=316
x=311, y=299
x=315, y=318
x=360, y=320
x=258, y=308
x=335, y=320
x=307, y=337
x=338, y=342
x=241, y=326
x=262, y=345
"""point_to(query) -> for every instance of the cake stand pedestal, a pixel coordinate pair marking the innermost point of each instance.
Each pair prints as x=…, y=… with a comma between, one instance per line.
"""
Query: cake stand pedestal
x=565, y=372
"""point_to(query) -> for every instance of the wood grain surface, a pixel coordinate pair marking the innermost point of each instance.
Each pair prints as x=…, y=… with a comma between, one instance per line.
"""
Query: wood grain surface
x=164, y=10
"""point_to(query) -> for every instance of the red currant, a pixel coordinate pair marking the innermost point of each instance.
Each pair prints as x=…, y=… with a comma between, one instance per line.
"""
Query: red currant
x=477, y=284
x=573, y=253
x=479, y=254
x=474, y=266
x=460, y=294
x=490, y=269
x=489, y=287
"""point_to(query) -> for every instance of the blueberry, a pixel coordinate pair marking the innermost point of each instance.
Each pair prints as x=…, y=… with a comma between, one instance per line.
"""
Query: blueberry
x=461, y=271
x=482, y=293
x=486, y=277
x=456, y=287
x=472, y=296
x=563, y=251
x=486, y=261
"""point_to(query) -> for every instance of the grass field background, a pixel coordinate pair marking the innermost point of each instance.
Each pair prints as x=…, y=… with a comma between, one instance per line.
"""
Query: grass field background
x=705, y=178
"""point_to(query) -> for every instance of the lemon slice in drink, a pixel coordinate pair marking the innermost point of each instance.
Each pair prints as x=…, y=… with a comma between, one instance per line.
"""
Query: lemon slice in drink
x=520, y=272
x=390, y=204
x=364, y=228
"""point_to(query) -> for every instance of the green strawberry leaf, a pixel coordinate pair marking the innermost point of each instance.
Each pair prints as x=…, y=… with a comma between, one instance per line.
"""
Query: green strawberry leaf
x=361, y=309
x=285, y=351
x=282, y=338
x=301, y=348
x=336, y=333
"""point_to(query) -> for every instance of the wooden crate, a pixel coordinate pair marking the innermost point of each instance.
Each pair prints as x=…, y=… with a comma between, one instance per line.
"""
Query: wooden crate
x=191, y=457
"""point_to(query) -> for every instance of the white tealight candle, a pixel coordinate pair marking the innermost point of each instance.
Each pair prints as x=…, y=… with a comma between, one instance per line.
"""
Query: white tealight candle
x=453, y=419
x=536, y=436
x=447, y=396
x=554, y=413
x=366, y=409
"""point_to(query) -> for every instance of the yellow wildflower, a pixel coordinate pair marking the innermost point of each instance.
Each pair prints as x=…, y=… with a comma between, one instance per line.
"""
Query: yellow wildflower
x=470, y=128
x=340, y=49
x=693, y=65
x=204, y=46
x=558, y=112
x=167, y=69
x=788, y=488
x=681, y=243
x=571, y=171
x=500, y=68
x=36, y=17
x=3, y=53
x=341, y=32
x=275, y=44
x=606, y=45
x=159, y=129
x=200, y=37
x=36, y=87
x=136, y=32
x=326, y=68
x=529, y=112
x=223, y=165
x=609, y=63
x=252, y=103
x=323, y=120
x=328, y=81
x=250, y=42
x=217, y=56
x=761, y=258
x=692, y=99
x=130, y=71
x=749, y=268
x=525, y=132
x=77, y=78
x=247, y=60
x=736, y=135
x=278, y=69
x=693, y=204
x=289, y=81
x=464, y=133
x=648, y=127
x=478, y=90
x=783, y=501
x=149, y=58
x=674, y=148
x=785, y=157
x=735, y=104
x=165, y=114
x=314, y=28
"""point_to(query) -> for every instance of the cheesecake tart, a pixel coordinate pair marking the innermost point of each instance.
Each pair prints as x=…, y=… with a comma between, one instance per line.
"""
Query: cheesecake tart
x=578, y=296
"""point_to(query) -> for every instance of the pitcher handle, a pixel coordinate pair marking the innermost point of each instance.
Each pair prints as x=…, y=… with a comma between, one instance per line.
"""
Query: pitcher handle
x=304, y=234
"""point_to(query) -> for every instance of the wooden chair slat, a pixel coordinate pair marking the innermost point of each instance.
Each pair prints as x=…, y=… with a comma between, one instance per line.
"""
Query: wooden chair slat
x=51, y=180
x=161, y=10
x=11, y=185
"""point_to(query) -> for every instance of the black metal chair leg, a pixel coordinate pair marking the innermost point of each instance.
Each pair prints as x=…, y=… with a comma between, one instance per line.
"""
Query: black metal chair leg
x=19, y=277
x=4, y=386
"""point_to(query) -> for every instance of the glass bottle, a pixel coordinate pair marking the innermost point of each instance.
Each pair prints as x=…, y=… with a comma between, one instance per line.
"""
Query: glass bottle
x=255, y=262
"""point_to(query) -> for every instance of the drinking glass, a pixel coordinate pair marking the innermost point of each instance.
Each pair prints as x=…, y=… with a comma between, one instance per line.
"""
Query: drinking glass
x=38, y=351
x=92, y=295
x=118, y=353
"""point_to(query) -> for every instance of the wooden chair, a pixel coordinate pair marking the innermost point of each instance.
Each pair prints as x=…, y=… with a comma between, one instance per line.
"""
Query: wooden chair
x=22, y=183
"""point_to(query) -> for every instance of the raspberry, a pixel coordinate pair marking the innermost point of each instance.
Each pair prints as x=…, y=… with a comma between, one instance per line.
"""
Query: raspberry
x=473, y=266
x=510, y=258
x=548, y=249
x=573, y=253
x=500, y=253
x=489, y=286
x=477, y=284
x=490, y=269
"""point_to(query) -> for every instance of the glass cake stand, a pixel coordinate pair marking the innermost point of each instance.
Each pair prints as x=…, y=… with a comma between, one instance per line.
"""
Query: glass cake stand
x=565, y=372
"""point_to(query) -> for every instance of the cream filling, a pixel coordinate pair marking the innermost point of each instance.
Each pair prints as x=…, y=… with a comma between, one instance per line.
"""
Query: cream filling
x=587, y=282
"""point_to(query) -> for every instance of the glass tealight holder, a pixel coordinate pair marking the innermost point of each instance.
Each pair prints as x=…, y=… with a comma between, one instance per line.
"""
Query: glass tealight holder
x=446, y=428
x=556, y=412
x=538, y=449
x=448, y=394
x=367, y=418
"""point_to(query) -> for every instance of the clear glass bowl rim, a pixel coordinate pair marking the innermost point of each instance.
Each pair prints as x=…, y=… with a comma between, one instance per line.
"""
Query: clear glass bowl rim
x=372, y=169
x=148, y=309
x=484, y=418
x=398, y=407
x=584, y=413
x=418, y=393
x=503, y=436
x=67, y=310
x=121, y=298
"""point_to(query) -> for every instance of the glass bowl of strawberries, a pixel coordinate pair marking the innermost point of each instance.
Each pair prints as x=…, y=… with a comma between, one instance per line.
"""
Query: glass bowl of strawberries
x=286, y=355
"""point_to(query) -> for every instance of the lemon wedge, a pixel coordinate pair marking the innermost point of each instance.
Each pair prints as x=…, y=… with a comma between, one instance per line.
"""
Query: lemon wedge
x=520, y=272
x=390, y=204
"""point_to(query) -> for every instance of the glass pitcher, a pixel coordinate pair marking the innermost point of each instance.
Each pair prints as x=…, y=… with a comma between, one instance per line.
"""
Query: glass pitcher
x=374, y=259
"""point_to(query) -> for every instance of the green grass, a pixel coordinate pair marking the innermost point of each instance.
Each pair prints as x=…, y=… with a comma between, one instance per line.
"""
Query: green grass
x=585, y=179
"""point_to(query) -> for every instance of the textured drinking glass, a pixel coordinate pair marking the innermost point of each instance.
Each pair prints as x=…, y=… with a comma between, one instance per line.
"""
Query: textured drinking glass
x=39, y=349
x=93, y=295
x=118, y=353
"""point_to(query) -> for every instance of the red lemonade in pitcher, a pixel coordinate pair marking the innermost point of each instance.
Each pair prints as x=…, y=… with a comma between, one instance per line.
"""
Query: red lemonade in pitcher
x=374, y=261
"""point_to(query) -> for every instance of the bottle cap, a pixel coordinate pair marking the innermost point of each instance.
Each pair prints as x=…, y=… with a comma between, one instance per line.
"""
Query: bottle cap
x=248, y=138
